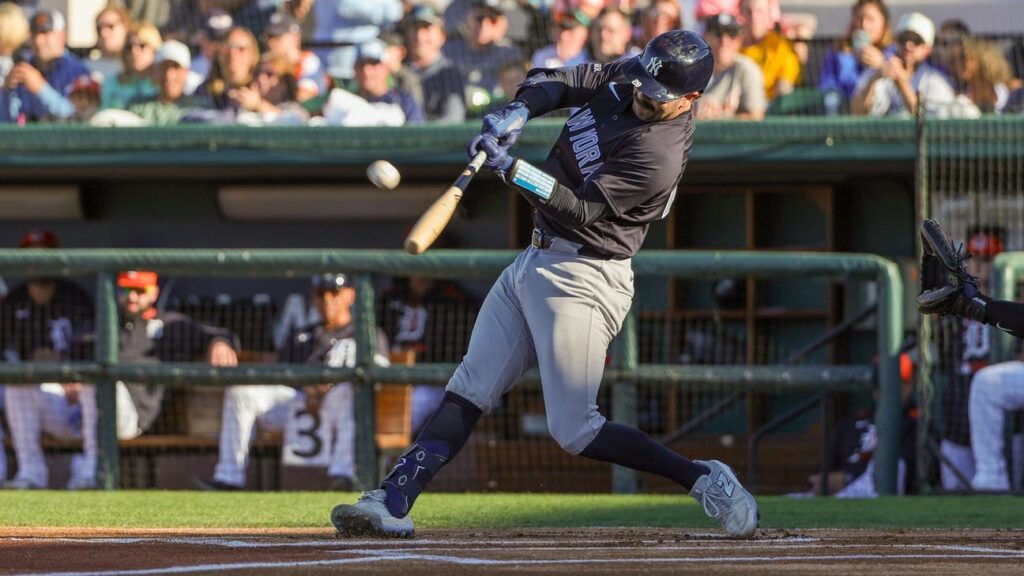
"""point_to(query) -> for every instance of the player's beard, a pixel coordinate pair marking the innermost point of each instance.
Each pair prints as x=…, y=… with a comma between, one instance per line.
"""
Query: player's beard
x=646, y=109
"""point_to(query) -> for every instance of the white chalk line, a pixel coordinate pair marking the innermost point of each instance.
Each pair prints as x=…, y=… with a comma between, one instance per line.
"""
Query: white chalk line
x=391, y=557
x=261, y=542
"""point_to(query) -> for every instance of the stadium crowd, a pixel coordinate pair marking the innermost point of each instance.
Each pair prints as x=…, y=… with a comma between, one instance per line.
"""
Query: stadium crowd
x=396, y=62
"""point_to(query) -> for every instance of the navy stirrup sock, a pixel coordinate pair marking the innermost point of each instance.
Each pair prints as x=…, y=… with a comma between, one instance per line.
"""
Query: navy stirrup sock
x=440, y=440
x=632, y=448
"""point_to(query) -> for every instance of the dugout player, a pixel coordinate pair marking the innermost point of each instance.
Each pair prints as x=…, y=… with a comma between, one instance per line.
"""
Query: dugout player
x=145, y=335
x=613, y=171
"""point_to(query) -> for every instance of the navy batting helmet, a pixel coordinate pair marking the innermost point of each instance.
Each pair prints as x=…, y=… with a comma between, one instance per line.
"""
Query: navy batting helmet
x=672, y=65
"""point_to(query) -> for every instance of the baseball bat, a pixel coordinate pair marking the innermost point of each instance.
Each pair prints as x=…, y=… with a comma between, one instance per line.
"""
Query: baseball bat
x=436, y=218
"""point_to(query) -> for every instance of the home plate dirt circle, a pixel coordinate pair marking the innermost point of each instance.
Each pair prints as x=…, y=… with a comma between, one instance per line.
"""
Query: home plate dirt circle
x=542, y=551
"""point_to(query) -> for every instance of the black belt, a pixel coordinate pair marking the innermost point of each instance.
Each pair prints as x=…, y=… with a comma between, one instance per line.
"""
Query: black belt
x=542, y=240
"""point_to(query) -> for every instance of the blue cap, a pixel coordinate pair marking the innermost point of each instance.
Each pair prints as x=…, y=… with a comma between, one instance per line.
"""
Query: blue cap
x=330, y=281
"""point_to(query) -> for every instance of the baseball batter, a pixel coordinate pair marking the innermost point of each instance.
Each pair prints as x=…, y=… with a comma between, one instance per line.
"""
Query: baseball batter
x=613, y=171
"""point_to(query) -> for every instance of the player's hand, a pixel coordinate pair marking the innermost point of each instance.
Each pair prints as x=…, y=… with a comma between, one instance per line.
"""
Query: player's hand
x=26, y=74
x=222, y=354
x=506, y=124
x=870, y=56
x=315, y=396
x=498, y=158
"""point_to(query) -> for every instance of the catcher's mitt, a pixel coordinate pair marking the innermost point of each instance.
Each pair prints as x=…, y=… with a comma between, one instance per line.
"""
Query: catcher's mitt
x=946, y=287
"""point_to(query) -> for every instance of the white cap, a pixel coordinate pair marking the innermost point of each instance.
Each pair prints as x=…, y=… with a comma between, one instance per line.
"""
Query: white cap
x=176, y=52
x=919, y=24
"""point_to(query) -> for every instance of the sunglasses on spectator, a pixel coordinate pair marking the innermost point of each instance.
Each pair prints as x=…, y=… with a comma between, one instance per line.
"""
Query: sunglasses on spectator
x=139, y=45
x=265, y=72
x=911, y=38
x=491, y=17
x=107, y=25
x=237, y=47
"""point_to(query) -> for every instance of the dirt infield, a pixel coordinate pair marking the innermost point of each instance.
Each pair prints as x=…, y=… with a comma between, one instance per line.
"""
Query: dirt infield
x=592, y=551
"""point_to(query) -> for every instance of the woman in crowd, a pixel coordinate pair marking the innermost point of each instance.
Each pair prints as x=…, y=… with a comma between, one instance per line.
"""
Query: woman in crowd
x=135, y=82
x=112, y=25
x=13, y=34
x=272, y=94
x=234, y=68
x=867, y=44
x=982, y=76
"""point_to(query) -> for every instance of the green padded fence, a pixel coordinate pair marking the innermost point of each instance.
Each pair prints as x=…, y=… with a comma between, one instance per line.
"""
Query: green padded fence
x=622, y=375
x=773, y=140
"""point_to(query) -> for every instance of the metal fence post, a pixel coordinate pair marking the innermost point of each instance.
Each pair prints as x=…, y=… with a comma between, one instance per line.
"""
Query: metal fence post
x=364, y=403
x=889, y=413
x=624, y=393
x=108, y=472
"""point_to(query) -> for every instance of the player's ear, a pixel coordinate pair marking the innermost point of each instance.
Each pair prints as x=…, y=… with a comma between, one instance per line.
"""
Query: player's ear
x=692, y=96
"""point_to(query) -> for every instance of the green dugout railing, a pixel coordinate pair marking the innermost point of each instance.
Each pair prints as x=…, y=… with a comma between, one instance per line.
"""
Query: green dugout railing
x=625, y=371
x=1007, y=272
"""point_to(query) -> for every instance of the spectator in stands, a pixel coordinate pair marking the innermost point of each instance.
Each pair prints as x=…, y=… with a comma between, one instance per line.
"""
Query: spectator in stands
x=234, y=68
x=949, y=48
x=799, y=29
x=893, y=88
x=768, y=48
x=169, y=105
x=658, y=18
x=272, y=97
x=351, y=22
x=330, y=342
x=13, y=34
x=84, y=95
x=444, y=93
x=610, y=36
x=69, y=410
x=210, y=40
x=983, y=75
x=284, y=38
x=136, y=79
x=372, y=72
x=867, y=44
x=38, y=86
x=510, y=77
x=402, y=78
x=736, y=90
x=569, y=32
x=111, y=35
x=42, y=319
x=483, y=49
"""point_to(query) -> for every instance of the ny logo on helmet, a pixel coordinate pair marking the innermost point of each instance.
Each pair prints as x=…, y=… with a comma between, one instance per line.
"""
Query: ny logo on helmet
x=654, y=66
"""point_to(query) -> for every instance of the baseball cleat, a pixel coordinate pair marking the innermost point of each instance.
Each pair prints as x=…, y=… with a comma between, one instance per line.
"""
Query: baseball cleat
x=17, y=483
x=370, y=517
x=725, y=500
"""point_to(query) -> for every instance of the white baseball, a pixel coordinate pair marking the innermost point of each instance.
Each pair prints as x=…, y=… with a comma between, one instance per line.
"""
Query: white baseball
x=383, y=174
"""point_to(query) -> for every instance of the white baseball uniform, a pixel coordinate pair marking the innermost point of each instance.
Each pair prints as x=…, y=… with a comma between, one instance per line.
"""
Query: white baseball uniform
x=271, y=406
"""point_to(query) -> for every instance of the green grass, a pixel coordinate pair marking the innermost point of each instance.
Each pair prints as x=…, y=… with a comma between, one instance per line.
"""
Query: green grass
x=152, y=509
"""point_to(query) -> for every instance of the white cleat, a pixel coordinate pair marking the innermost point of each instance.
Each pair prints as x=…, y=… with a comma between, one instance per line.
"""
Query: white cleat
x=725, y=500
x=370, y=517
x=998, y=483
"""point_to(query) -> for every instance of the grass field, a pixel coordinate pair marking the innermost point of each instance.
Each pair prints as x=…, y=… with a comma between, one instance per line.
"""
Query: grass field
x=152, y=509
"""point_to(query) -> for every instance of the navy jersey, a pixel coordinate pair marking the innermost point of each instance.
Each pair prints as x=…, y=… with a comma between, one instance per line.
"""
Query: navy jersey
x=635, y=165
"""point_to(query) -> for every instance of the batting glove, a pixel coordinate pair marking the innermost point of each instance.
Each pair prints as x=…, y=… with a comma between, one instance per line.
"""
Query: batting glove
x=506, y=124
x=498, y=158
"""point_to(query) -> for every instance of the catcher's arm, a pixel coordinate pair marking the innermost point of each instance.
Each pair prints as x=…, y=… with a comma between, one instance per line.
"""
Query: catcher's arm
x=947, y=287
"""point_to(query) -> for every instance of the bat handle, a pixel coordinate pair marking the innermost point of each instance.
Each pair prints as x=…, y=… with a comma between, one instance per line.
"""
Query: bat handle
x=471, y=169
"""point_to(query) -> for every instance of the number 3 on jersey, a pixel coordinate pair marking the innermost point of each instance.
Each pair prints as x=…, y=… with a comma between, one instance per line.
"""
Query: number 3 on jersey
x=305, y=440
